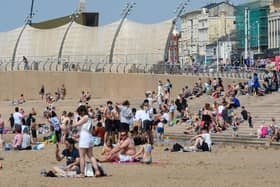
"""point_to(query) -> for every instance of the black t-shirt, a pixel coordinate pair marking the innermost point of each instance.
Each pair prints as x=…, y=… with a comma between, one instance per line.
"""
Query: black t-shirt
x=244, y=114
x=29, y=120
x=71, y=156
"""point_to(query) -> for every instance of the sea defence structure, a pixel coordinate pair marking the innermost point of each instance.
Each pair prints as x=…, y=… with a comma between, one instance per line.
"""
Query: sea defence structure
x=101, y=85
x=136, y=43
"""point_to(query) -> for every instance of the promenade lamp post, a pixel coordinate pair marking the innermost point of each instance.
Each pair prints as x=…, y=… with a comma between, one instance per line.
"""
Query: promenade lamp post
x=125, y=13
x=72, y=17
x=179, y=10
x=27, y=21
x=258, y=26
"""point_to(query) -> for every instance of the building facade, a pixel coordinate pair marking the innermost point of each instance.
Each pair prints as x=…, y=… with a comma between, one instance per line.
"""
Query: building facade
x=204, y=27
x=252, y=27
x=274, y=25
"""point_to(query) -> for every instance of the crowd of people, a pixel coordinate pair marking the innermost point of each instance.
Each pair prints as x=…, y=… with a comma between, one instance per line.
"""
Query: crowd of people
x=120, y=128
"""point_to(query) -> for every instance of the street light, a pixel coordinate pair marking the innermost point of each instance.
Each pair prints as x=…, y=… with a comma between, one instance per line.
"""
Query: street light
x=125, y=12
x=28, y=21
x=72, y=17
x=258, y=25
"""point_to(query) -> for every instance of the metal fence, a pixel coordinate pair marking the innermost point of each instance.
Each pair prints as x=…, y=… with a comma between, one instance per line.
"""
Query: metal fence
x=50, y=64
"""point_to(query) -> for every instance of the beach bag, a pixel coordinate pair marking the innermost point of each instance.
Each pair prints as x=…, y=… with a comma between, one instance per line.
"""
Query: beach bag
x=90, y=172
x=39, y=147
x=96, y=140
x=204, y=146
x=177, y=147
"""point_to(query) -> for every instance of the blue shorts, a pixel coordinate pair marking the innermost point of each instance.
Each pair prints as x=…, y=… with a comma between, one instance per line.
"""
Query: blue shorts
x=160, y=130
x=1, y=130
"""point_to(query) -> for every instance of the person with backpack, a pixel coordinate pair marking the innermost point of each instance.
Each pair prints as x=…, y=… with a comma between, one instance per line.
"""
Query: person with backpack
x=202, y=142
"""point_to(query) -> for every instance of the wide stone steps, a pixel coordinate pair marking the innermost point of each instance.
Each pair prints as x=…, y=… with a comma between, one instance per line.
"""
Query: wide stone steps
x=261, y=108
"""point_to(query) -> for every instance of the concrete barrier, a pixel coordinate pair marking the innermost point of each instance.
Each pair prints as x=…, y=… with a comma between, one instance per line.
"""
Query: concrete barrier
x=101, y=85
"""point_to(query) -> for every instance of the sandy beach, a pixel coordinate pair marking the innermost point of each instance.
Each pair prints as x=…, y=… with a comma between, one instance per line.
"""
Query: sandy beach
x=225, y=166
x=230, y=165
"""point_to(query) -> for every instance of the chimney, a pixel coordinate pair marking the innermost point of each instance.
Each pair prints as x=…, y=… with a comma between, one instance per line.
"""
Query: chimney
x=82, y=7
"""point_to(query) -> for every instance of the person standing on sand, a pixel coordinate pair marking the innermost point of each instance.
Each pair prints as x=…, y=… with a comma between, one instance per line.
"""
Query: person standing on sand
x=42, y=92
x=85, y=141
x=17, y=118
x=12, y=122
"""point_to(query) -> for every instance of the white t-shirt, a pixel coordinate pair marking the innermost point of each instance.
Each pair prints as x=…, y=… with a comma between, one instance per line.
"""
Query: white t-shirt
x=207, y=138
x=139, y=114
x=143, y=115
x=220, y=109
x=160, y=92
x=125, y=114
x=18, y=118
x=166, y=116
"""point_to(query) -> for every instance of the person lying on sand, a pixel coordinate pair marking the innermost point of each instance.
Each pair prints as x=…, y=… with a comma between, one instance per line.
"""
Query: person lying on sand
x=72, y=155
x=203, y=142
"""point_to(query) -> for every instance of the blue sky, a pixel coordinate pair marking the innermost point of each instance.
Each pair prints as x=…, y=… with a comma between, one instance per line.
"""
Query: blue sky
x=13, y=12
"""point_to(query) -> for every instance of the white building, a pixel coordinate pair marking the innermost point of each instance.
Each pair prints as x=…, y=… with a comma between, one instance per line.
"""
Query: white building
x=204, y=27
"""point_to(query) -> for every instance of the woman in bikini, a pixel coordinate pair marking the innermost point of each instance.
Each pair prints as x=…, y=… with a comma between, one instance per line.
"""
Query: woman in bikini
x=145, y=151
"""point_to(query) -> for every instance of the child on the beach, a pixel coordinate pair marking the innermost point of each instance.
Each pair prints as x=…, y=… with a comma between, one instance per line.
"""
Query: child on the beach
x=108, y=147
x=34, y=130
x=145, y=152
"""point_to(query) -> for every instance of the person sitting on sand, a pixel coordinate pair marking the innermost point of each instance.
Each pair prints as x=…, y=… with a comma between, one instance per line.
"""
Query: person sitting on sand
x=17, y=139
x=21, y=99
x=124, y=151
x=108, y=147
x=145, y=152
x=71, y=153
x=26, y=140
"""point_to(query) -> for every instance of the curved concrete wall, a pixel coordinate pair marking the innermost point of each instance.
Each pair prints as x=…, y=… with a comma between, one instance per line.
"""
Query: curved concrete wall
x=137, y=43
x=101, y=85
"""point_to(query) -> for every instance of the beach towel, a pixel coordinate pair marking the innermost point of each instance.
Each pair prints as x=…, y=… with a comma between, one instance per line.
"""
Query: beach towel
x=138, y=162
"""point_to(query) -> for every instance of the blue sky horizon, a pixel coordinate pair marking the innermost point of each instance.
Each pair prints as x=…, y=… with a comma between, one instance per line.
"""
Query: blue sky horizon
x=14, y=12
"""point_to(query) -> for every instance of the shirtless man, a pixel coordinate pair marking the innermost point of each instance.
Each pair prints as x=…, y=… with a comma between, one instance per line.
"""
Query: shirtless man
x=123, y=152
x=116, y=124
x=108, y=119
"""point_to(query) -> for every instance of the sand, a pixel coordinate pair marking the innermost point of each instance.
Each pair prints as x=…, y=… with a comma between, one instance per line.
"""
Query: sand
x=225, y=166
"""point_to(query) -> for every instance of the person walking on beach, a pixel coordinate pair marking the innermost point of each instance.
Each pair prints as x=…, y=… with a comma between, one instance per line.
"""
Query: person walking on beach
x=42, y=92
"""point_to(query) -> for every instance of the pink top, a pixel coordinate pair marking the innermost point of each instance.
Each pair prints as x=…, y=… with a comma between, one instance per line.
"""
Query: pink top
x=18, y=140
x=1, y=123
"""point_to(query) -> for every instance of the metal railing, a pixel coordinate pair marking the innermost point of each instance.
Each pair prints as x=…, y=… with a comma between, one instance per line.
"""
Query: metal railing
x=49, y=64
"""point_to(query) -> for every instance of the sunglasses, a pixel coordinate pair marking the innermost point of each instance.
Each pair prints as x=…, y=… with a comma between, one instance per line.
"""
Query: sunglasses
x=123, y=134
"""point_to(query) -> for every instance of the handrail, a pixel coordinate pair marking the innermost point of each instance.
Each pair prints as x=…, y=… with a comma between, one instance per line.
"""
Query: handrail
x=80, y=65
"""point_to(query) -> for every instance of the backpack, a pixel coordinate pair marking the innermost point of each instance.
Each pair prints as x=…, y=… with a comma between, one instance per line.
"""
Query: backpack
x=177, y=147
x=204, y=146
